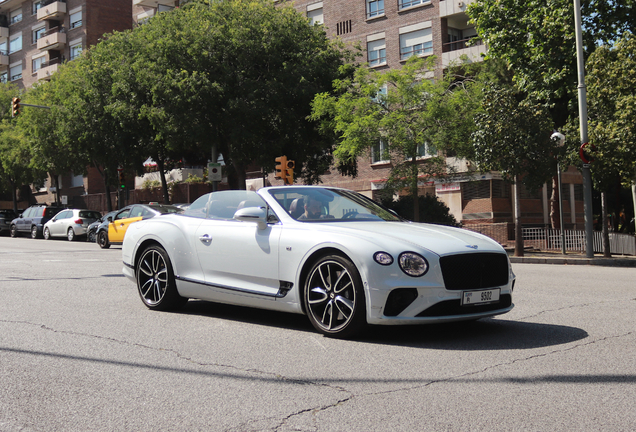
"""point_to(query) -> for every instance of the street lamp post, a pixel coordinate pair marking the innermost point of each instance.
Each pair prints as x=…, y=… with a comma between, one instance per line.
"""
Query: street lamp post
x=560, y=139
x=587, y=176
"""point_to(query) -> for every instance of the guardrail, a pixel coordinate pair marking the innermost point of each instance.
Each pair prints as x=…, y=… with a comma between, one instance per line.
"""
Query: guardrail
x=575, y=240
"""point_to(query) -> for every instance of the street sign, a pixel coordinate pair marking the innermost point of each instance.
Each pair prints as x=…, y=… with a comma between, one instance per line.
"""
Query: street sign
x=214, y=172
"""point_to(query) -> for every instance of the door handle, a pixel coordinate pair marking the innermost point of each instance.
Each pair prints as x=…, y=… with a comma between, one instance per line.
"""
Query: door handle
x=205, y=239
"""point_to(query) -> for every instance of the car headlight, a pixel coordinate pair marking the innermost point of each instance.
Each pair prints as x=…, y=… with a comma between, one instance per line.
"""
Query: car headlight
x=413, y=264
x=383, y=258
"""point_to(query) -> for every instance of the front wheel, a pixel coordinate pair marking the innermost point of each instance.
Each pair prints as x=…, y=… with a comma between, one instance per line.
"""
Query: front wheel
x=70, y=234
x=13, y=232
x=155, y=280
x=47, y=233
x=334, y=297
x=102, y=240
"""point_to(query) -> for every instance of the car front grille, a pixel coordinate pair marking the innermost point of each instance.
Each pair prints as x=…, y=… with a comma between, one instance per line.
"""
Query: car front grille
x=474, y=270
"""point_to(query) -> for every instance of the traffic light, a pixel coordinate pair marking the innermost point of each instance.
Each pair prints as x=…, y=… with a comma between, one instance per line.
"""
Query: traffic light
x=122, y=179
x=15, y=107
x=290, y=172
x=281, y=168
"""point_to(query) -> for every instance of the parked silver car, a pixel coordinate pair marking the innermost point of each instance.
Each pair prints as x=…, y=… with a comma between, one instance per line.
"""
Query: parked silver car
x=70, y=223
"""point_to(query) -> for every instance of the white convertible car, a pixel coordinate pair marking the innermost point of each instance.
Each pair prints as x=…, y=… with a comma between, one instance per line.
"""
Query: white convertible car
x=329, y=253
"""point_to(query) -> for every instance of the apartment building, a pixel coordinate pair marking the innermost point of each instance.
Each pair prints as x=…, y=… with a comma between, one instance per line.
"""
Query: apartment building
x=37, y=36
x=143, y=10
x=392, y=32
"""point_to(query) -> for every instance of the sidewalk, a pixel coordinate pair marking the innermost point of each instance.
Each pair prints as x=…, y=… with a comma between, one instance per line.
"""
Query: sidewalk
x=538, y=257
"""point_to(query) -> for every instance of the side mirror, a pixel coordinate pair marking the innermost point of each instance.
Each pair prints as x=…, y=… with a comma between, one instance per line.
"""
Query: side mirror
x=109, y=218
x=252, y=214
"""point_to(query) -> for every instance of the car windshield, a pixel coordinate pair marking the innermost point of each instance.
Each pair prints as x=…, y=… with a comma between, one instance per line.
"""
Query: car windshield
x=7, y=214
x=224, y=204
x=330, y=205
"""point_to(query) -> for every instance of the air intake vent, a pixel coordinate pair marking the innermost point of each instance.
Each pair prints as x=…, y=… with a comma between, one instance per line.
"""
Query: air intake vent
x=474, y=270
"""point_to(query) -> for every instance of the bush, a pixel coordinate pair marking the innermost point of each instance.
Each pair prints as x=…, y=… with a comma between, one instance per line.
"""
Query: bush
x=432, y=210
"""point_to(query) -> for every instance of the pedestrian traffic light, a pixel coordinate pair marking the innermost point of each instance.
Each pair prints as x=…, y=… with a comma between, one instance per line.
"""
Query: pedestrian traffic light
x=15, y=107
x=290, y=172
x=122, y=179
x=281, y=168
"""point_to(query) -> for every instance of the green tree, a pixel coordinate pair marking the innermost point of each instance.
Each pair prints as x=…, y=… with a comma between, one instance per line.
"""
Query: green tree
x=400, y=112
x=513, y=137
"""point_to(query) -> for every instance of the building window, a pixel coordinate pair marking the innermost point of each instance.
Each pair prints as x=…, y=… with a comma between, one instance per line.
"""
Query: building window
x=375, y=8
x=16, y=16
x=376, y=52
x=3, y=77
x=15, y=44
x=15, y=72
x=76, y=50
x=37, y=34
x=37, y=63
x=37, y=5
x=418, y=43
x=426, y=150
x=379, y=153
x=409, y=3
x=163, y=8
x=3, y=49
x=315, y=17
x=76, y=19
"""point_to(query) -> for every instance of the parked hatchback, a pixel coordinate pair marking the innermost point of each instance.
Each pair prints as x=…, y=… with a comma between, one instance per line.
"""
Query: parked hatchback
x=6, y=216
x=70, y=223
x=32, y=220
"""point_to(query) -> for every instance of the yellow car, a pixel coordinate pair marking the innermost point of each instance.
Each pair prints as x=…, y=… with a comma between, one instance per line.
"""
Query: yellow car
x=113, y=229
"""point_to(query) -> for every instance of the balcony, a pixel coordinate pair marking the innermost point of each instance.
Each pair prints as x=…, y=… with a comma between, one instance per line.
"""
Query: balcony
x=154, y=3
x=453, y=7
x=48, y=69
x=52, y=11
x=452, y=51
x=53, y=39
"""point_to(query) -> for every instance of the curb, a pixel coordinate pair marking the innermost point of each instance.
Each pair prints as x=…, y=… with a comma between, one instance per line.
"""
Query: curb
x=605, y=262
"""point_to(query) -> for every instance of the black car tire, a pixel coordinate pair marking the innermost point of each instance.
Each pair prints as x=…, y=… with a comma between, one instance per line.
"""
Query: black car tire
x=155, y=280
x=34, y=232
x=46, y=234
x=13, y=232
x=90, y=236
x=333, y=297
x=102, y=240
x=70, y=234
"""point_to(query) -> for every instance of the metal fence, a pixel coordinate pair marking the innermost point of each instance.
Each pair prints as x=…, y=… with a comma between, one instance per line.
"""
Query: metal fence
x=575, y=241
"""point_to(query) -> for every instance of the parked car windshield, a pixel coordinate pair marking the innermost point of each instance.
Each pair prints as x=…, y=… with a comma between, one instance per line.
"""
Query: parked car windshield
x=330, y=205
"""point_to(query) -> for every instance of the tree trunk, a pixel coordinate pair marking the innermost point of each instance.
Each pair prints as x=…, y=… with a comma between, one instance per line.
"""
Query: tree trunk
x=14, y=195
x=162, y=175
x=518, y=228
x=240, y=176
x=607, y=253
x=414, y=190
x=555, y=202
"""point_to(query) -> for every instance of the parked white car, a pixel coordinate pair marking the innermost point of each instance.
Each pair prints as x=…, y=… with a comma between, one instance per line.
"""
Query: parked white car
x=70, y=223
x=330, y=253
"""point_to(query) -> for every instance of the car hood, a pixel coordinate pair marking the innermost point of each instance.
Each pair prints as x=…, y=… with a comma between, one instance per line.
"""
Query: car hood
x=439, y=239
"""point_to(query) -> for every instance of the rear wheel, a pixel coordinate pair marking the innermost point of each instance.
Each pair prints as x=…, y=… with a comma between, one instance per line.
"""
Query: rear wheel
x=70, y=234
x=46, y=233
x=34, y=232
x=102, y=240
x=334, y=297
x=155, y=280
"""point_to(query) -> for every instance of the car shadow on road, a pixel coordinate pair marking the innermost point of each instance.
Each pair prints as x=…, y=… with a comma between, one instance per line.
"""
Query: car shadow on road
x=485, y=334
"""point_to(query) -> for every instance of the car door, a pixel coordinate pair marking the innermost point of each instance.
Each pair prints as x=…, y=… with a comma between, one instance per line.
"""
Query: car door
x=21, y=220
x=239, y=256
x=117, y=228
x=58, y=223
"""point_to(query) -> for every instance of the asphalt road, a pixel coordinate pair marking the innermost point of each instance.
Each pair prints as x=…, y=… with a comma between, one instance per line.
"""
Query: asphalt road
x=79, y=352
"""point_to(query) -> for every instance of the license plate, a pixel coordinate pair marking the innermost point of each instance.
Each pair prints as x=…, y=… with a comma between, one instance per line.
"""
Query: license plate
x=479, y=297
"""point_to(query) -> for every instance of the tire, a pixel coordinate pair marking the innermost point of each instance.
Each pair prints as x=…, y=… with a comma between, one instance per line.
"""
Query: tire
x=90, y=236
x=102, y=240
x=155, y=280
x=333, y=297
x=13, y=232
x=70, y=234
x=34, y=232
x=46, y=234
